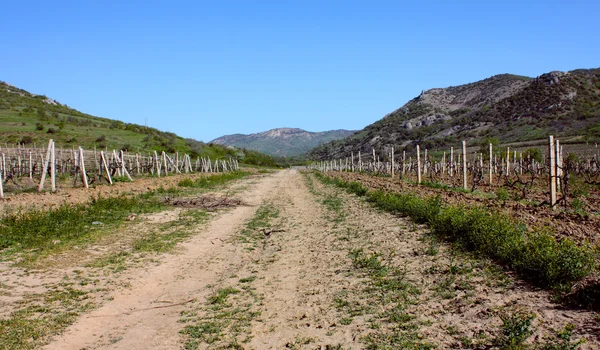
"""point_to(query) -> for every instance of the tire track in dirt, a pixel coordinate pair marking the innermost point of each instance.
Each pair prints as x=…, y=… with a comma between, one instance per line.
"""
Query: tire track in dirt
x=146, y=315
x=305, y=292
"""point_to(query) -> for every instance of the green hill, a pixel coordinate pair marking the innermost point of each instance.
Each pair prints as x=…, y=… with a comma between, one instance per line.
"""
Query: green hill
x=508, y=107
x=282, y=142
x=29, y=119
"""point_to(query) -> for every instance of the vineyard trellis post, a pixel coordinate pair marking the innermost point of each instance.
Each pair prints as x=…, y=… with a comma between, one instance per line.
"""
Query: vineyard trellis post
x=552, y=172
x=1, y=187
x=418, y=165
x=451, y=161
x=491, y=176
x=464, y=155
x=45, y=168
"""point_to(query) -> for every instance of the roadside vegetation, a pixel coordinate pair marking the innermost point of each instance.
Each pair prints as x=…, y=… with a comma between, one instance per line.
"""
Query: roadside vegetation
x=536, y=255
x=395, y=296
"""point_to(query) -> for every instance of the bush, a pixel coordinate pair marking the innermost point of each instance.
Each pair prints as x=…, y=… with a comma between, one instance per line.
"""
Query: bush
x=52, y=131
x=535, y=255
x=25, y=140
x=39, y=126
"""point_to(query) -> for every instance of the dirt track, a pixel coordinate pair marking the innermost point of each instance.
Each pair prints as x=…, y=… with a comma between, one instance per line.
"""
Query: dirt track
x=293, y=285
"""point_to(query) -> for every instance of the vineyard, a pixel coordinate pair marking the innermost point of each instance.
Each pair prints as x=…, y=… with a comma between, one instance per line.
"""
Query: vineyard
x=24, y=168
x=552, y=194
x=553, y=177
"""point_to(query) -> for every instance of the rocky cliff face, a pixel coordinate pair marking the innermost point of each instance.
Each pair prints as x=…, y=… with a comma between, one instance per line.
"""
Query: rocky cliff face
x=509, y=107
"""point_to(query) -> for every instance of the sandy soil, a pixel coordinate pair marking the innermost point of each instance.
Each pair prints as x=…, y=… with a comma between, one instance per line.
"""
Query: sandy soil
x=46, y=199
x=295, y=285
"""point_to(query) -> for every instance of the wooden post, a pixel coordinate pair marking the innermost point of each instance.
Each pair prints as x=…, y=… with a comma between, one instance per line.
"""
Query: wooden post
x=491, y=163
x=418, y=165
x=157, y=163
x=45, y=169
x=53, y=168
x=444, y=163
x=558, y=165
x=425, y=163
x=82, y=168
x=1, y=187
x=105, y=164
x=30, y=165
x=359, y=162
x=551, y=150
x=164, y=163
x=451, y=161
x=507, y=161
x=464, y=152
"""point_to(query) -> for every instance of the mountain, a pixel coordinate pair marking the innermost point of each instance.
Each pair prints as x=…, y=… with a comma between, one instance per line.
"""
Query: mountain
x=29, y=119
x=508, y=107
x=283, y=141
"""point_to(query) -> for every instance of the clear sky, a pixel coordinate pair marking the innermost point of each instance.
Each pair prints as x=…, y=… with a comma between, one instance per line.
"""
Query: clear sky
x=203, y=69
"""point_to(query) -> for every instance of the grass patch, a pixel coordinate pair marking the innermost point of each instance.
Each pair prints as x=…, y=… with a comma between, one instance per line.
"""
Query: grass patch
x=208, y=182
x=261, y=220
x=43, y=230
x=394, y=327
x=536, y=255
x=225, y=322
x=48, y=314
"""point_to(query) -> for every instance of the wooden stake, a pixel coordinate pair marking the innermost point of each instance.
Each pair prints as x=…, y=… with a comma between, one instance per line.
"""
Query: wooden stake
x=451, y=161
x=105, y=164
x=558, y=165
x=53, y=168
x=1, y=187
x=491, y=163
x=418, y=165
x=464, y=152
x=82, y=168
x=45, y=169
x=552, y=179
x=507, y=161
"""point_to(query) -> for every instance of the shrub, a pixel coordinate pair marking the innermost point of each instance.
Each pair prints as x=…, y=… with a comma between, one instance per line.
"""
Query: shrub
x=536, y=255
x=39, y=126
x=25, y=140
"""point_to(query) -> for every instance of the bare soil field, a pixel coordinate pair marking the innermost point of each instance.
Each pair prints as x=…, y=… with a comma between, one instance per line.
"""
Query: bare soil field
x=567, y=223
x=272, y=262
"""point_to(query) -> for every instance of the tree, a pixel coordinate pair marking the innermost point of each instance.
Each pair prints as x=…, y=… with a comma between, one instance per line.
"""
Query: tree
x=484, y=146
x=533, y=153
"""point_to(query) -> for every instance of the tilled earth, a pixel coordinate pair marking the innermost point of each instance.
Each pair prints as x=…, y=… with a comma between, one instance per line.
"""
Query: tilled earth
x=299, y=265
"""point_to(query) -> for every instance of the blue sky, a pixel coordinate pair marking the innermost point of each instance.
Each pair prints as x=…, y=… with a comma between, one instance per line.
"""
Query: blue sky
x=203, y=69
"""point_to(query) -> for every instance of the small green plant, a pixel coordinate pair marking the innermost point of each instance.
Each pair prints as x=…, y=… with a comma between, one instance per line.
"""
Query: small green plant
x=121, y=179
x=516, y=327
x=562, y=340
x=213, y=181
x=502, y=194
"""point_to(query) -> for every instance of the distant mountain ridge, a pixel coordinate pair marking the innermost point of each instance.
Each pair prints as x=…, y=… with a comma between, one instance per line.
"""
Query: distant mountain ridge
x=508, y=107
x=284, y=142
x=29, y=119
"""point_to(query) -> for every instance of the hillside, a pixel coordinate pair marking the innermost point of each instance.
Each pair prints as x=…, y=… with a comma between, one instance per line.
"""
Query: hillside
x=508, y=107
x=29, y=119
x=284, y=142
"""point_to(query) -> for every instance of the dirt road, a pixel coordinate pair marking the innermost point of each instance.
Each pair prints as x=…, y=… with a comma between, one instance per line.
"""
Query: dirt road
x=306, y=266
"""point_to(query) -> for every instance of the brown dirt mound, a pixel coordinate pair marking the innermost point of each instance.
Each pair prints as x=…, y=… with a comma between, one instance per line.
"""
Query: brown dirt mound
x=207, y=202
